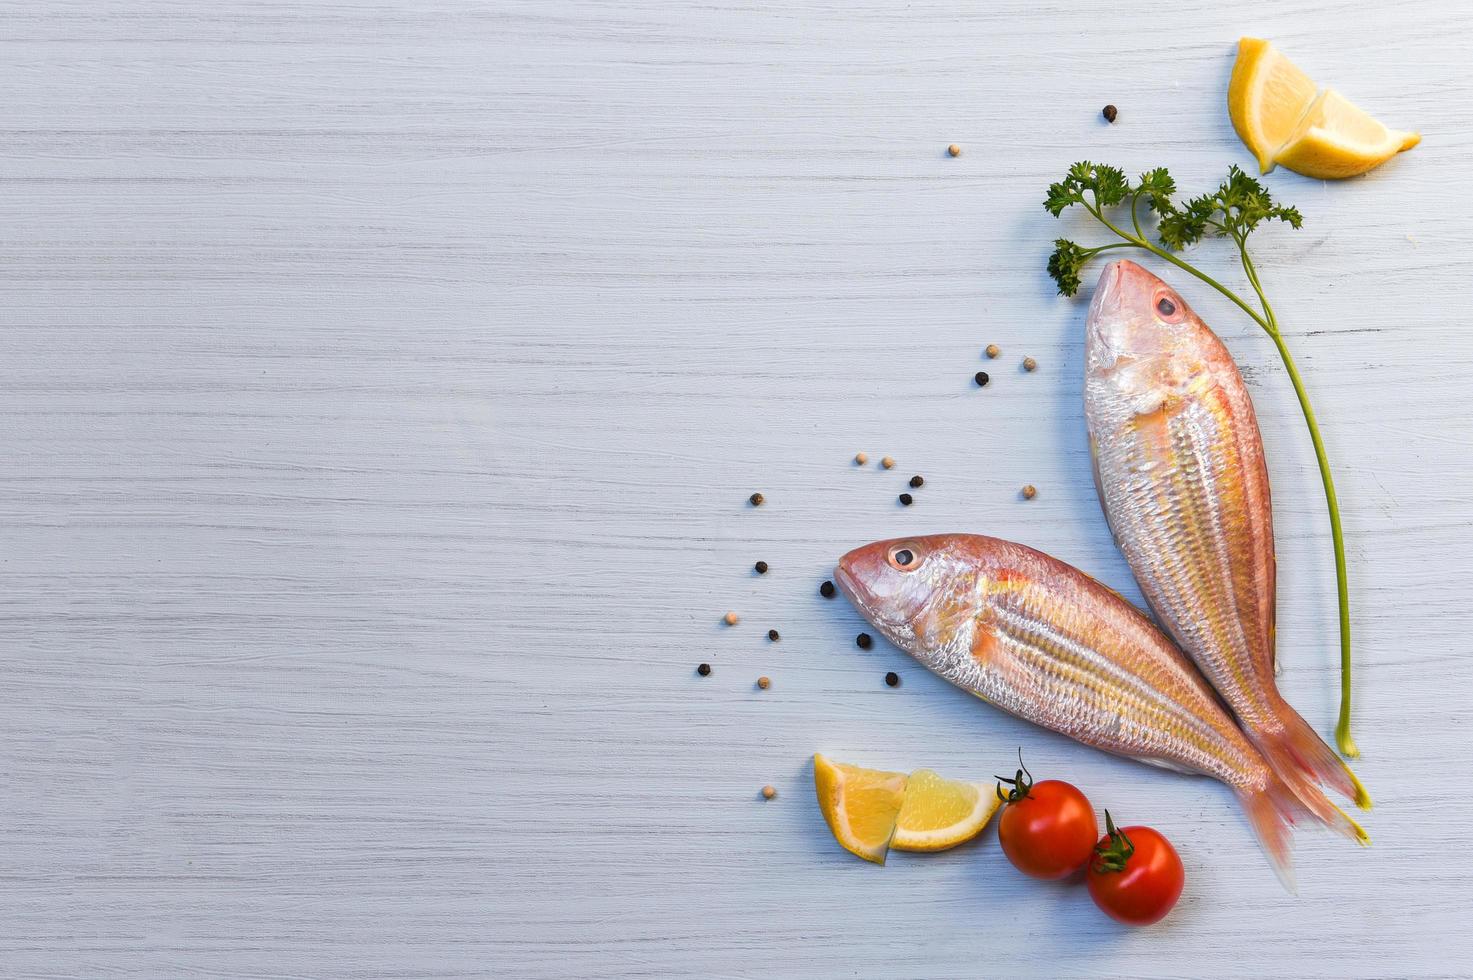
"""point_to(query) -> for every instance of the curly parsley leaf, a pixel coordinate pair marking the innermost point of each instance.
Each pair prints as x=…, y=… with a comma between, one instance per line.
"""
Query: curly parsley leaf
x=1064, y=265
x=1157, y=187
x=1093, y=185
x=1188, y=224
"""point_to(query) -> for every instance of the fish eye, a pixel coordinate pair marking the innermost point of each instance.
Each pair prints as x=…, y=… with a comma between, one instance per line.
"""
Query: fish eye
x=904, y=557
x=1169, y=308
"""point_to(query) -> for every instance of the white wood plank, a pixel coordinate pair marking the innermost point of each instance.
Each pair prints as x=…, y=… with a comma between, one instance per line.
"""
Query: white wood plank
x=381, y=387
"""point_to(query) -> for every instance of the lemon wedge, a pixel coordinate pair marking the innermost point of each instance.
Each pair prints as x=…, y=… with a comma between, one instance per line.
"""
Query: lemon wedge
x=939, y=813
x=1338, y=139
x=1267, y=97
x=859, y=805
x=1281, y=117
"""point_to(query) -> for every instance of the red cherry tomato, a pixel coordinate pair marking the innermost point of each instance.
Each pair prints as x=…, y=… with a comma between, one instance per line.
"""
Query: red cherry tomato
x=1048, y=829
x=1135, y=876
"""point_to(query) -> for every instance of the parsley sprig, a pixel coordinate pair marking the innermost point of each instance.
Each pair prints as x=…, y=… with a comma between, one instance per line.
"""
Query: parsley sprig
x=1235, y=210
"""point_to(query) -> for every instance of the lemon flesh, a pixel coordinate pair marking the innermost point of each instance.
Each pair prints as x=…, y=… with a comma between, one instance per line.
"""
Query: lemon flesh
x=859, y=805
x=939, y=813
x=1281, y=117
x=1267, y=97
x=1338, y=139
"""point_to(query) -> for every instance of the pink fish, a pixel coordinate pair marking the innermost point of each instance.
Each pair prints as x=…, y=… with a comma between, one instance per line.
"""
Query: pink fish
x=1181, y=475
x=1044, y=641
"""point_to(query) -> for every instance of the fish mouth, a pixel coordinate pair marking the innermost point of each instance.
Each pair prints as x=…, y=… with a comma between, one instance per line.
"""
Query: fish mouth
x=872, y=588
x=1111, y=309
x=848, y=584
x=1108, y=290
x=851, y=577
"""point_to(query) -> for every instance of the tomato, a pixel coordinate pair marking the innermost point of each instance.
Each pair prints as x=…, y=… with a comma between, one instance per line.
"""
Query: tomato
x=1048, y=829
x=1136, y=875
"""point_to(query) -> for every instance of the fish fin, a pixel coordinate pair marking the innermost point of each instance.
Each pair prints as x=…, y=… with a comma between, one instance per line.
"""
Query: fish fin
x=1167, y=764
x=984, y=644
x=1302, y=759
x=1271, y=812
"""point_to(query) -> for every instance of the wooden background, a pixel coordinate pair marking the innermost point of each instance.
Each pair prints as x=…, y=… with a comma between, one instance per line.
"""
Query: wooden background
x=381, y=385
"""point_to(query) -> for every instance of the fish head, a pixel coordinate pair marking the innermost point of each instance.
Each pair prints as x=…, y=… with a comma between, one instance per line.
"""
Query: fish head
x=920, y=592
x=1141, y=332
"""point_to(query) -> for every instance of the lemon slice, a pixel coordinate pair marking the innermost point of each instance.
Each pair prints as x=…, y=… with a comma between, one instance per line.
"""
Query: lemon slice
x=939, y=813
x=1277, y=115
x=1267, y=97
x=859, y=805
x=1339, y=139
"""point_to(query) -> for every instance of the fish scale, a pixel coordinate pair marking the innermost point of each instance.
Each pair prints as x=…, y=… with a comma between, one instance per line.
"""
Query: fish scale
x=1210, y=595
x=1129, y=694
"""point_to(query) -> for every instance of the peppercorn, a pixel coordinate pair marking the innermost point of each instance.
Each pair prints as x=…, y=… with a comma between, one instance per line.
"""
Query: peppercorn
x=954, y=150
x=865, y=641
x=704, y=670
x=731, y=619
x=764, y=682
x=993, y=350
x=826, y=590
x=981, y=377
x=773, y=635
x=756, y=499
x=1029, y=364
x=861, y=458
x=761, y=567
x=907, y=499
x=1029, y=491
x=917, y=481
x=768, y=792
x=1110, y=112
x=893, y=679
x=887, y=462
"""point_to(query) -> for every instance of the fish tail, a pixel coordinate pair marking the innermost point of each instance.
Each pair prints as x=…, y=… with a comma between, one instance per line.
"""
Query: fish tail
x=1271, y=811
x=1302, y=759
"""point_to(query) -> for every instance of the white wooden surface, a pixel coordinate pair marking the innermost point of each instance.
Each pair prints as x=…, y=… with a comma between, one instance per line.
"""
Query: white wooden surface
x=381, y=384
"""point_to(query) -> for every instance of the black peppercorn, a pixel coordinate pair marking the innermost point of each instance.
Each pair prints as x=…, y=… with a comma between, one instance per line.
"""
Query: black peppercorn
x=893, y=679
x=826, y=590
x=917, y=481
x=773, y=635
x=907, y=499
x=865, y=641
x=704, y=670
x=756, y=499
x=981, y=378
x=761, y=567
x=1110, y=112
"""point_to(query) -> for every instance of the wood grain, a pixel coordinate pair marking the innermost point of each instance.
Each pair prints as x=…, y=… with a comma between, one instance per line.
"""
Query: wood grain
x=381, y=386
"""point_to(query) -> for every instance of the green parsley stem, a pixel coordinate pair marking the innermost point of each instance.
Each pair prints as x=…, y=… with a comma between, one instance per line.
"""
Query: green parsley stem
x=1342, y=725
x=1090, y=252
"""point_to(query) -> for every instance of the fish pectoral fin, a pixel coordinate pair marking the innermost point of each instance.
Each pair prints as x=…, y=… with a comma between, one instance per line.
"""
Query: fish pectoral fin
x=1154, y=409
x=984, y=643
x=1167, y=764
